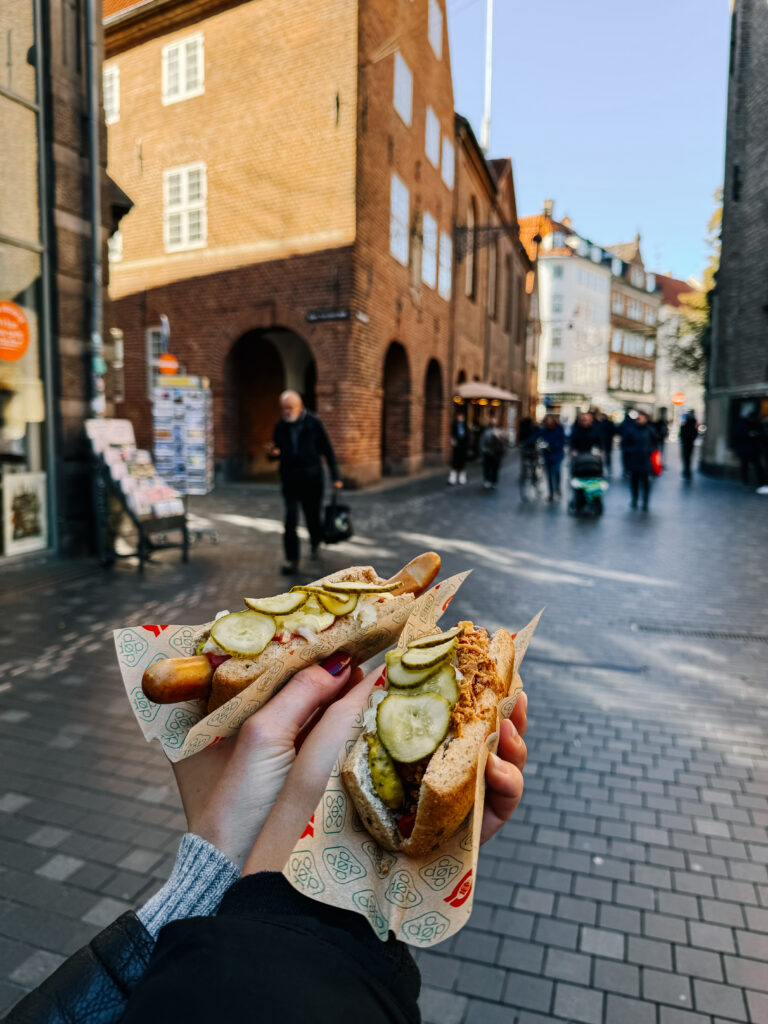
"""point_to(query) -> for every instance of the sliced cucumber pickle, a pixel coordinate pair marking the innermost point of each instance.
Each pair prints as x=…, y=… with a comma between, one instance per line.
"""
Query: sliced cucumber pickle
x=443, y=683
x=436, y=638
x=384, y=776
x=404, y=677
x=201, y=643
x=337, y=604
x=412, y=727
x=282, y=604
x=423, y=657
x=351, y=587
x=244, y=634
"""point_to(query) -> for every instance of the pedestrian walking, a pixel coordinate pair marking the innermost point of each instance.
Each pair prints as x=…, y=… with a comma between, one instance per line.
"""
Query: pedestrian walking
x=689, y=431
x=492, y=445
x=639, y=443
x=606, y=428
x=661, y=429
x=459, y=449
x=623, y=431
x=553, y=435
x=747, y=442
x=300, y=443
x=585, y=436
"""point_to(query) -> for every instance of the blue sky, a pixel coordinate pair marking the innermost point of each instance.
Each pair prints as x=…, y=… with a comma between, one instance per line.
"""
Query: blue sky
x=614, y=109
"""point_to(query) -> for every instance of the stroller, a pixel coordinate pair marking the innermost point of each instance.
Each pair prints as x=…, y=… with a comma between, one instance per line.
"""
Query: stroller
x=587, y=485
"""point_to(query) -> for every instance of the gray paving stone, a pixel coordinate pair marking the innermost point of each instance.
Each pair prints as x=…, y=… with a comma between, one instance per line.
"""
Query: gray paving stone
x=619, y=1010
x=692, y=882
x=12, y=802
x=649, y=952
x=521, y=956
x=719, y=912
x=617, y=977
x=618, y=919
x=720, y=1000
x=568, y=966
x=36, y=968
x=48, y=836
x=602, y=943
x=60, y=867
x=512, y=923
x=711, y=936
x=578, y=1004
x=661, y=926
x=592, y=888
x=584, y=911
x=527, y=992
x=480, y=980
x=533, y=901
x=636, y=896
x=758, y=1006
x=671, y=1015
x=439, y=1007
x=664, y=987
x=474, y=945
x=757, y=919
x=104, y=911
x=139, y=860
x=482, y=1012
x=746, y=973
x=554, y=932
x=698, y=962
x=438, y=970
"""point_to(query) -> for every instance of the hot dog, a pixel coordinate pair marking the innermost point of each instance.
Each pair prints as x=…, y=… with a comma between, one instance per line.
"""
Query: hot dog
x=412, y=772
x=240, y=647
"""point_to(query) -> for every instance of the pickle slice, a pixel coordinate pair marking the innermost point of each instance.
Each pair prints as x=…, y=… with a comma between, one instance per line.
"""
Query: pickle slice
x=412, y=727
x=423, y=657
x=405, y=677
x=337, y=604
x=385, y=779
x=351, y=587
x=443, y=683
x=282, y=604
x=436, y=638
x=244, y=634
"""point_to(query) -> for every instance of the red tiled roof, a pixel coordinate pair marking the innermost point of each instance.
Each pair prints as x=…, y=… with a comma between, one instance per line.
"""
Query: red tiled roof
x=671, y=289
x=542, y=225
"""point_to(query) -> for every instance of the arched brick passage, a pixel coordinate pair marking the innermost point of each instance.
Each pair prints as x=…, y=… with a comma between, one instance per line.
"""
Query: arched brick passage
x=396, y=411
x=433, y=413
x=260, y=365
x=461, y=379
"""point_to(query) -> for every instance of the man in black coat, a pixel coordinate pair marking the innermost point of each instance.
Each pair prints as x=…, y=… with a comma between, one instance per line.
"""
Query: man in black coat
x=585, y=436
x=299, y=442
x=689, y=431
x=639, y=441
x=607, y=431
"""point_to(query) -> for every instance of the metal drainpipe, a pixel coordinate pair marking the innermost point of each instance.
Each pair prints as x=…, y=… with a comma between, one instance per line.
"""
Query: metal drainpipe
x=92, y=81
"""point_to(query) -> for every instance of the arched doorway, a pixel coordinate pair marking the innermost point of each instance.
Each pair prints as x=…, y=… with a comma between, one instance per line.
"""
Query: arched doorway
x=433, y=414
x=396, y=412
x=260, y=365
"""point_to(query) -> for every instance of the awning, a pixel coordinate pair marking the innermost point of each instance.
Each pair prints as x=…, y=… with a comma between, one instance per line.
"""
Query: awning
x=478, y=389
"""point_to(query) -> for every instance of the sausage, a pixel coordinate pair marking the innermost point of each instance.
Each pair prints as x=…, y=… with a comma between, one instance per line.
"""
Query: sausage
x=176, y=679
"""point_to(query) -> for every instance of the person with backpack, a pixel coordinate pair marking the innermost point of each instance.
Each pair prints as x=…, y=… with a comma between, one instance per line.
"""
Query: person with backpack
x=492, y=445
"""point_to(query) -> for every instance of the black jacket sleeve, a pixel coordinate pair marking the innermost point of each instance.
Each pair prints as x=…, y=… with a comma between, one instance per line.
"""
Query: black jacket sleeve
x=93, y=985
x=325, y=448
x=271, y=954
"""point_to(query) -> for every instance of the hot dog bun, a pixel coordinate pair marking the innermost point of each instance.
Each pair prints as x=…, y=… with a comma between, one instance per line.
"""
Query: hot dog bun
x=447, y=789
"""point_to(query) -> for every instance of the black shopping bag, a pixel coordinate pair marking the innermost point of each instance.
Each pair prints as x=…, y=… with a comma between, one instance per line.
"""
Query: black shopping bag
x=337, y=525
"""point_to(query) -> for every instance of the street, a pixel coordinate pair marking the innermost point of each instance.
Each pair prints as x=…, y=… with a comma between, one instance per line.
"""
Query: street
x=632, y=884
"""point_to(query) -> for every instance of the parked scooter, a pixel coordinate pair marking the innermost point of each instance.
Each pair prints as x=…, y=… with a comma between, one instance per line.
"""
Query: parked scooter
x=587, y=485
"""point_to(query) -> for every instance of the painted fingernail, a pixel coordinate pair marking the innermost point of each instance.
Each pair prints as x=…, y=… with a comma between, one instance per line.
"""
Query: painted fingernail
x=337, y=662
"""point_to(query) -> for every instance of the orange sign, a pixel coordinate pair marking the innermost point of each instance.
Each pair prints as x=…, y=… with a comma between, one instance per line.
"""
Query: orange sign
x=678, y=398
x=14, y=332
x=166, y=363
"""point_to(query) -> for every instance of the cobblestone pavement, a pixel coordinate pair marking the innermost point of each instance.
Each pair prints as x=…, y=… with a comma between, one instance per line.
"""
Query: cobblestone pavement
x=632, y=884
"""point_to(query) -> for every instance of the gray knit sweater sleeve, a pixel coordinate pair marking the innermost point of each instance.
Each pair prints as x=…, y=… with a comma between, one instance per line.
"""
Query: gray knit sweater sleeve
x=200, y=877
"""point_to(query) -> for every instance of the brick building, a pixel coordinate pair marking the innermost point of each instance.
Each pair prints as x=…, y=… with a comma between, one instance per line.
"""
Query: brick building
x=491, y=304
x=47, y=388
x=292, y=168
x=635, y=303
x=738, y=370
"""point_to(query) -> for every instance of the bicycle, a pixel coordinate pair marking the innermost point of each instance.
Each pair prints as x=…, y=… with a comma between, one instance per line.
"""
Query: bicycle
x=531, y=471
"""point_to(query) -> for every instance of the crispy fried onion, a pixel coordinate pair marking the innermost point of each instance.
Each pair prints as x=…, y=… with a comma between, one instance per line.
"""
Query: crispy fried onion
x=479, y=670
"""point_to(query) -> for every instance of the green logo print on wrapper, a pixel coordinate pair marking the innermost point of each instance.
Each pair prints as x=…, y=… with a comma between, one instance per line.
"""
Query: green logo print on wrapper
x=402, y=892
x=342, y=864
x=142, y=706
x=131, y=647
x=304, y=873
x=381, y=860
x=366, y=901
x=185, y=640
x=179, y=722
x=440, y=872
x=427, y=928
x=334, y=812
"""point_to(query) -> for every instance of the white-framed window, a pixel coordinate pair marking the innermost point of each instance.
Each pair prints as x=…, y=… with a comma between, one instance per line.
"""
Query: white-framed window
x=647, y=382
x=435, y=30
x=558, y=271
x=154, y=350
x=615, y=379
x=557, y=337
x=637, y=277
x=616, y=341
x=183, y=69
x=650, y=316
x=403, y=89
x=111, y=87
x=432, y=138
x=115, y=247
x=555, y=371
x=445, y=270
x=617, y=303
x=616, y=266
x=634, y=309
x=650, y=348
x=557, y=303
x=185, y=221
x=429, y=251
x=650, y=282
x=596, y=254
x=399, y=220
x=558, y=240
x=448, y=162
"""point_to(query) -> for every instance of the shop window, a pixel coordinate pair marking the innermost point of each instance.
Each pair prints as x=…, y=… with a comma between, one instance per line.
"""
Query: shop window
x=445, y=271
x=111, y=88
x=183, y=69
x=435, y=30
x=185, y=220
x=429, y=251
x=432, y=138
x=399, y=213
x=154, y=351
x=448, y=162
x=403, y=89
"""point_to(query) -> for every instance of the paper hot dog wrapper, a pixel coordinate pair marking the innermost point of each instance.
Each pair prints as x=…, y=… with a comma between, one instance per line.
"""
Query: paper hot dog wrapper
x=423, y=900
x=183, y=729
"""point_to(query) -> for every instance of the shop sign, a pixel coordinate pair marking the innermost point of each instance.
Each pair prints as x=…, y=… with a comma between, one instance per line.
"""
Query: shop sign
x=678, y=398
x=166, y=363
x=14, y=332
x=316, y=316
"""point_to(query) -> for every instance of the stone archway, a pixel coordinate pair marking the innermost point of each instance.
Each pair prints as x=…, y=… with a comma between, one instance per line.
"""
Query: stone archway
x=433, y=441
x=260, y=365
x=395, y=412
